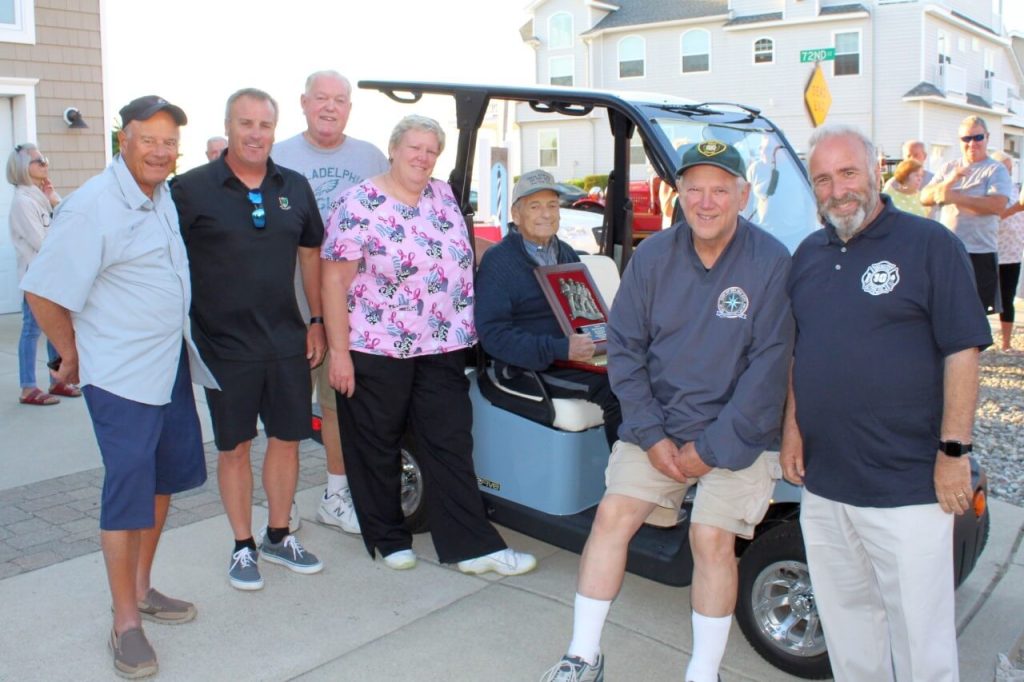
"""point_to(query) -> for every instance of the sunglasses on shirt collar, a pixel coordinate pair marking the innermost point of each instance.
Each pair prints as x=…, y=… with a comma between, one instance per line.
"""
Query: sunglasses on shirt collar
x=259, y=215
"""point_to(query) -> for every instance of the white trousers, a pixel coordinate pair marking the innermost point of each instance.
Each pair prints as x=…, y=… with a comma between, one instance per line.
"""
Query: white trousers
x=883, y=584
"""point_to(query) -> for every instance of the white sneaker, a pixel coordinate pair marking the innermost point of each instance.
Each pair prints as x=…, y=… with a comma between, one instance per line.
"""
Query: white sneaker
x=337, y=510
x=503, y=562
x=401, y=560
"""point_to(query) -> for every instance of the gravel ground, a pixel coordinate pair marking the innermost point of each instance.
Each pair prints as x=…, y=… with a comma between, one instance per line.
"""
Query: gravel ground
x=999, y=423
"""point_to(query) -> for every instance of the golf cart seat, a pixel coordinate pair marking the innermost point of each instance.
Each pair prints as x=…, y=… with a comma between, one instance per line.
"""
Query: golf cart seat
x=533, y=400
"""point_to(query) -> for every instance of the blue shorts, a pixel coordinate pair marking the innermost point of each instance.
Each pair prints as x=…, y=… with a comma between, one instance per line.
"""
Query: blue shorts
x=147, y=450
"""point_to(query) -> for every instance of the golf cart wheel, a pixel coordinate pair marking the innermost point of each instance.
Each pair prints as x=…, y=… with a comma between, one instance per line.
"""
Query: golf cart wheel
x=413, y=499
x=775, y=607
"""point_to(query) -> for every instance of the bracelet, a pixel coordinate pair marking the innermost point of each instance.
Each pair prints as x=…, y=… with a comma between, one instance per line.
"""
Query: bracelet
x=316, y=320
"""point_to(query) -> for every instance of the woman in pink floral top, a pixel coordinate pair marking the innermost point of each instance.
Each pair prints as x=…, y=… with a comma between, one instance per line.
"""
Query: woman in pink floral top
x=398, y=303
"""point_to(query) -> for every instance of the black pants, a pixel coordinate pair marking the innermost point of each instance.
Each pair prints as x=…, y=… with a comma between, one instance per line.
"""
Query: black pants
x=430, y=394
x=565, y=382
x=986, y=277
x=1009, y=274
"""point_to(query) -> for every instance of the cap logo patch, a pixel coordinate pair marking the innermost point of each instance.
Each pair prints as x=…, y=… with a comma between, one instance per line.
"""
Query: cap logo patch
x=711, y=148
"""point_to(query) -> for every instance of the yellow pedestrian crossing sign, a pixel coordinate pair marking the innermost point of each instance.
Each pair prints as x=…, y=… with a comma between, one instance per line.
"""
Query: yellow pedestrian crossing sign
x=817, y=97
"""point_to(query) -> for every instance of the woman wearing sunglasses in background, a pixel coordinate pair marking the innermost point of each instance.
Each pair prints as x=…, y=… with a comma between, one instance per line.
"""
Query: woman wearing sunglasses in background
x=31, y=210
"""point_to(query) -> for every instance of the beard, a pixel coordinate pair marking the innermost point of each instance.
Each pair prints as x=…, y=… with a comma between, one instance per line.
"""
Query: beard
x=849, y=225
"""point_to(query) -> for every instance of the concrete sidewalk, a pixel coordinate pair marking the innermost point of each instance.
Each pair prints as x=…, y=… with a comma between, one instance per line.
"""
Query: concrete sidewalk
x=357, y=620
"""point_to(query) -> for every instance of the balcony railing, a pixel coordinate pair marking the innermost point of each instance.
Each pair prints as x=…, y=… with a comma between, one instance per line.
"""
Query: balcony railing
x=1015, y=104
x=997, y=91
x=951, y=79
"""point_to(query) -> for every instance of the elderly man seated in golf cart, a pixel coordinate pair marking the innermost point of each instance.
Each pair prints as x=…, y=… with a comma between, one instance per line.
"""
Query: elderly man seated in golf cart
x=514, y=320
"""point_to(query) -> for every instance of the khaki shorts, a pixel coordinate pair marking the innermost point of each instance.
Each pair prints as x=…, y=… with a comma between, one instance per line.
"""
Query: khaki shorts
x=735, y=501
x=324, y=392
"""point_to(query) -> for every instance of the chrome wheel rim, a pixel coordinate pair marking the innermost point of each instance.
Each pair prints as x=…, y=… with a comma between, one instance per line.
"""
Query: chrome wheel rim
x=784, y=609
x=412, y=484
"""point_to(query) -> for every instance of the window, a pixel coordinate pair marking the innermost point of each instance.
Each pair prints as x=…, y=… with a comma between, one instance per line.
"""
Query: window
x=990, y=63
x=764, y=51
x=961, y=44
x=847, y=62
x=547, y=143
x=560, y=70
x=943, y=48
x=637, y=155
x=18, y=21
x=696, y=51
x=631, y=57
x=560, y=31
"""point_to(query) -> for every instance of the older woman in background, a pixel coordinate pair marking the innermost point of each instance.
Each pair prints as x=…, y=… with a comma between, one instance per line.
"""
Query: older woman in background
x=398, y=303
x=31, y=210
x=1011, y=244
x=905, y=187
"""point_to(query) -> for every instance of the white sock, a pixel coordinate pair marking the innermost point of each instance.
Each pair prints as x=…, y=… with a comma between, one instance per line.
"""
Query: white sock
x=710, y=636
x=336, y=483
x=587, y=622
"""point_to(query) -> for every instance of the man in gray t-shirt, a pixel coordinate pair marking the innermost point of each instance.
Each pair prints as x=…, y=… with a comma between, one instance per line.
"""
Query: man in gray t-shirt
x=972, y=192
x=332, y=162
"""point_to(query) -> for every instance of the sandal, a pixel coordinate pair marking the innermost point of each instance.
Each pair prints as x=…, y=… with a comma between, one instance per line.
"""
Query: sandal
x=66, y=390
x=37, y=397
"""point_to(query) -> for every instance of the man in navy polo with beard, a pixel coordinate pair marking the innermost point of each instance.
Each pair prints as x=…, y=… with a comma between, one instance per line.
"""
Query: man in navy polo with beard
x=881, y=407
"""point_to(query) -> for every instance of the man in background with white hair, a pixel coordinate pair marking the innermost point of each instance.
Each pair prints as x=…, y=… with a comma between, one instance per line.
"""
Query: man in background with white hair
x=332, y=162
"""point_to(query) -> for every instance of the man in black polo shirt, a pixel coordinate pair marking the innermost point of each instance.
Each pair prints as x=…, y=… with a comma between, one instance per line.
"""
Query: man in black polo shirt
x=881, y=407
x=244, y=220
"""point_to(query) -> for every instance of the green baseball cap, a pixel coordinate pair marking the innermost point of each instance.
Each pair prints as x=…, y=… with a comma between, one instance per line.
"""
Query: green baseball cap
x=714, y=153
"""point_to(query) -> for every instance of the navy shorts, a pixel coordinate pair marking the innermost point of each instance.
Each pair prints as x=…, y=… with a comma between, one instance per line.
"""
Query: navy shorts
x=277, y=391
x=147, y=450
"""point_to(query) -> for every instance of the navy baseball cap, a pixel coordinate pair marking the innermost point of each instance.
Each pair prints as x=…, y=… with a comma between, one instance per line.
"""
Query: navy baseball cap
x=143, y=109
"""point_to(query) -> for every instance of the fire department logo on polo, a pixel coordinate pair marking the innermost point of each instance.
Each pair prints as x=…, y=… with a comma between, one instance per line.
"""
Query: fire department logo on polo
x=880, y=278
x=733, y=303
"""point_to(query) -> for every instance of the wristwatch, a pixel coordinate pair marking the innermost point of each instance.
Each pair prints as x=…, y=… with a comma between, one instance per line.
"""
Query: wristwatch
x=954, y=448
x=316, y=320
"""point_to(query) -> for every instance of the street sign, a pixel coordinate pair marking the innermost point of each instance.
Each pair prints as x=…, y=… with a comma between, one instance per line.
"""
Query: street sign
x=822, y=54
x=817, y=97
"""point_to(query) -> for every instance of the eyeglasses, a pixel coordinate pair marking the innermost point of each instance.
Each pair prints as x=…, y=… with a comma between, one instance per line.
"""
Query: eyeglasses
x=973, y=138
x=259, y=216
x=42, y=161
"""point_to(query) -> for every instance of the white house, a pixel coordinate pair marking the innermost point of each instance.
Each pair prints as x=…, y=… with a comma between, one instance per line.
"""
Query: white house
x=902, y=69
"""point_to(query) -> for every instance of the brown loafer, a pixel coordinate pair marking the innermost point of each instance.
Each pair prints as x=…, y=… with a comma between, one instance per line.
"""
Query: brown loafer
x=133, y=656
x=160, y=608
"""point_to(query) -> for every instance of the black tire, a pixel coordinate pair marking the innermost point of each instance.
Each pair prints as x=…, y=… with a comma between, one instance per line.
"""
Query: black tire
x=775, y=607
x=414, y=499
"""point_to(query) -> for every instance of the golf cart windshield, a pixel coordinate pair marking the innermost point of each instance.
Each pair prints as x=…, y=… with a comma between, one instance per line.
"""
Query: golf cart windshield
x=779, y=198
